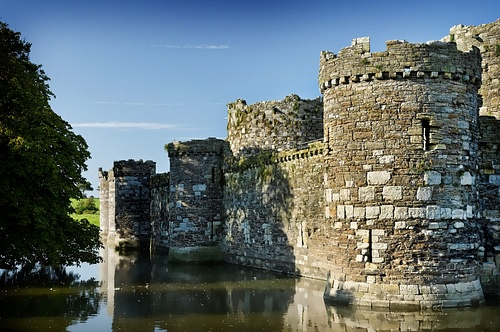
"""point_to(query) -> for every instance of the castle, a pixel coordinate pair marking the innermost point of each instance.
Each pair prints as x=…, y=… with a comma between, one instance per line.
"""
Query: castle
x=388, y=186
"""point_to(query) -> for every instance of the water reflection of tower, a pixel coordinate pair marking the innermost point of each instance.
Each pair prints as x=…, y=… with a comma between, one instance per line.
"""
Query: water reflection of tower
x=107, y=274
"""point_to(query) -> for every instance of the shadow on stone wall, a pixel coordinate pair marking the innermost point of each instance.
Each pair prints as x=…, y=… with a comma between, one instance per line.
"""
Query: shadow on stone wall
x=258, y=203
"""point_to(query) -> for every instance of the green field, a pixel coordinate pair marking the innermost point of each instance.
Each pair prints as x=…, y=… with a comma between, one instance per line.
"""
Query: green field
x=92, y=218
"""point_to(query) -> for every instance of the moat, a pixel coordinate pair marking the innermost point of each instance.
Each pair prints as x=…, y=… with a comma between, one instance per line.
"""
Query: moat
x=142, y=292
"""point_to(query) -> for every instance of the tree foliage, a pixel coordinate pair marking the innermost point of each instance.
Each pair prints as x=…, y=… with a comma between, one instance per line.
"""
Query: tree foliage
x=86, y=206
x=40, y=170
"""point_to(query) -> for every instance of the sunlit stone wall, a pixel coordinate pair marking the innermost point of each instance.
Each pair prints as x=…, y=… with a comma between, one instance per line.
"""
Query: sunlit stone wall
x=486, y=38
x=125, y=197
x=286, y=124
x=401, y=132
x=195, y=211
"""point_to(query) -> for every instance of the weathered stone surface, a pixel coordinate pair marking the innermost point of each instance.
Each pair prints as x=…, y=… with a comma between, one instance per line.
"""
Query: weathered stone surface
x=397, y=198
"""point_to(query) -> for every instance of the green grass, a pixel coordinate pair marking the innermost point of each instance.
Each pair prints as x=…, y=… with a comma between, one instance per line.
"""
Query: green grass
x=92, y=218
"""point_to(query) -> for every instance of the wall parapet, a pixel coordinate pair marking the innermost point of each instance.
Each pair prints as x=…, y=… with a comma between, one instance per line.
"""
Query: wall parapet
x=273, y=125
x=402, y=60
x=211, y=145
x=267, y=157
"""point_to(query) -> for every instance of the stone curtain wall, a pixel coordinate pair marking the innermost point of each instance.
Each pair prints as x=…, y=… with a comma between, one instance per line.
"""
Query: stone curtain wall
x=486, y=37
x=401, y=130
x=125, y=197
x=274, y=212
x=106, y=217
x=195, y=199
x=160, y=186
x=274, y=125
x=132, y=198
x=489, y=180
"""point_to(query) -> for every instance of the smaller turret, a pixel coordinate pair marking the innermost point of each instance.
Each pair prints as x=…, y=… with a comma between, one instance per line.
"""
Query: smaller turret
x=195, y=199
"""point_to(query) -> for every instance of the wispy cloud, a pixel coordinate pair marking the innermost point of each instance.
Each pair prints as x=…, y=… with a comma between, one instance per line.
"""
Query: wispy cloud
x=137, y=103
x=189, y=46
x=125, y=125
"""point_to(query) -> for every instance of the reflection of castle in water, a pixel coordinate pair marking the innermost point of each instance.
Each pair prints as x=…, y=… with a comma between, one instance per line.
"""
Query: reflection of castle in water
x=361, y=320
x=146, y=293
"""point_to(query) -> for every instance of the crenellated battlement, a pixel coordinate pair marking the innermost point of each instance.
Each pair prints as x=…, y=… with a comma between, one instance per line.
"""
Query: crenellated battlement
x=134, y=168
x=402, y=60
x=195, y=147
x=274, y=125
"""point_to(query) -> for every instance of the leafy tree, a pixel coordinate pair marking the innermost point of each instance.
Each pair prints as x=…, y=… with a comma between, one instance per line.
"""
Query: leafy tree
x=87, y=206
x=41, y=164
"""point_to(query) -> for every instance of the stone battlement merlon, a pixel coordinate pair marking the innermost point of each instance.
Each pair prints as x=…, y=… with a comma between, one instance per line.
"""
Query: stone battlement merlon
x=401, y=60
x=196, y=147
x=133, y=167
x=313, y=149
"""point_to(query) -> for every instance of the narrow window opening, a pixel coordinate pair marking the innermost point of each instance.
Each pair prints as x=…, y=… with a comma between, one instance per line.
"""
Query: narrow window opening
x=369, y=252
x=425, y=134
x=213, y=174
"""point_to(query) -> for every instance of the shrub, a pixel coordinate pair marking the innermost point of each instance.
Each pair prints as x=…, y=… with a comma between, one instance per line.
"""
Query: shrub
x=86, y=206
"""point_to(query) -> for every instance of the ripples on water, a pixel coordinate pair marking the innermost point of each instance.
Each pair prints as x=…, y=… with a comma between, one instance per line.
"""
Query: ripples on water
x=143, y=293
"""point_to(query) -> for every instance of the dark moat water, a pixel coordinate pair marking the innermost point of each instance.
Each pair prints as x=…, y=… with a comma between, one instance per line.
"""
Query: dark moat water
x=143, y=293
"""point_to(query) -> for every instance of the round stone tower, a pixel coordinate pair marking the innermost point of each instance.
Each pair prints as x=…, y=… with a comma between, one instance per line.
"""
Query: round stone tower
x=401, y=155
x=195, y=199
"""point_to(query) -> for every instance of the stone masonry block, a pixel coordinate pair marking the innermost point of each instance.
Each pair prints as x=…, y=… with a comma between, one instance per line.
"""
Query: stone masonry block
x=378, y=177
x=340, y=211
x=409, y=289
x=467, y=179
x=451, y=288
x=400, y=212
x=494, y=179
x=432, y=178
x=363, y=233
x=458, y=214
x=328, y=195
x=417, y=212
x=469, y=212
x=433, y=212
x=386, y=159
x=386, y=212
x=372, y=212
x=445, y=213
x=366, y=194
x=424, y=193
x=345, y=194
x=392, y=193
x=359, y=212
x=438, y=289
x=400, y=225
x=349, y=211
x=371, y=279
x=379, y=246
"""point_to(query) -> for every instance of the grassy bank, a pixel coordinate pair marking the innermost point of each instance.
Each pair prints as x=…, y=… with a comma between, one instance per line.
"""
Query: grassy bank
x=93, y=218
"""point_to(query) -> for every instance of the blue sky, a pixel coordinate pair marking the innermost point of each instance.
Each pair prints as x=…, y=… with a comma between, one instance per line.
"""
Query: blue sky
x=131, y=76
